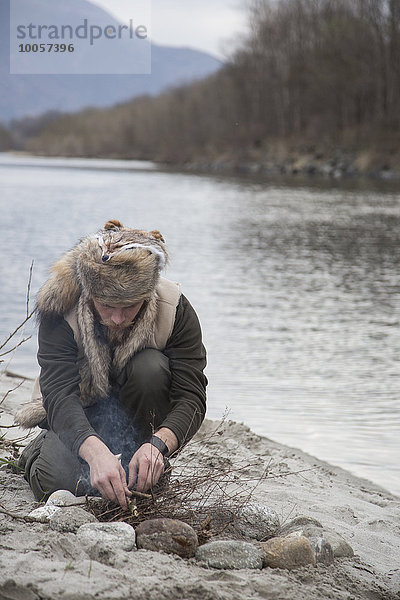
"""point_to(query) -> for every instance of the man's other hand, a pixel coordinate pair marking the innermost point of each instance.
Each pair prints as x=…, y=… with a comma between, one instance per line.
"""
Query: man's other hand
x=106, y=472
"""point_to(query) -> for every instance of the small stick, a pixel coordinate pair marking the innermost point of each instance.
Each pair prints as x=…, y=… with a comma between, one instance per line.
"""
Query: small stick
x=13, y=515
x=141, y=495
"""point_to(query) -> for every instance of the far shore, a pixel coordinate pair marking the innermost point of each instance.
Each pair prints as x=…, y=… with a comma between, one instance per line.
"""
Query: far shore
x=294, y=167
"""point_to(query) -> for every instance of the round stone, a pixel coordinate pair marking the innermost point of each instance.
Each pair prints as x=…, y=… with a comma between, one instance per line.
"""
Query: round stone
x=257, y=522
x=299, y=524
x=69, y=519
x=230, y=554
x=167, y=535
x=288, y=552
x=118, y=535
x=64, y=498
x=323, y=550
x=43, y=513
x=310, y=528
x=340, y=547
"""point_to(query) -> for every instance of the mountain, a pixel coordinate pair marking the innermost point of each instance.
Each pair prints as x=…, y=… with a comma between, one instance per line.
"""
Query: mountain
x=31, y=95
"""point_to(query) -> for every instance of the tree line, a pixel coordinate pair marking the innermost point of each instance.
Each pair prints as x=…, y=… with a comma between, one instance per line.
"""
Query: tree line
x=309, y=72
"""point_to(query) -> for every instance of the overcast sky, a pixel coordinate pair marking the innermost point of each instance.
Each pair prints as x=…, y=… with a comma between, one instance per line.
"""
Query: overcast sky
x=210, y=25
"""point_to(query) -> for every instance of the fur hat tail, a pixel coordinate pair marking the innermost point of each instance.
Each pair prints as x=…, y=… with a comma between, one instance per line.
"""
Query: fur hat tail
x=30, y=414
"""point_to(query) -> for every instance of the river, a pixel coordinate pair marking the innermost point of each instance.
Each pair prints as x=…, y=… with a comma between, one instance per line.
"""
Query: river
x=296, y=286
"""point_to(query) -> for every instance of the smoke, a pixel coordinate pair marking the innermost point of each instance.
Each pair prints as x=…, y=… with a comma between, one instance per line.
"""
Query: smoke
x=115, y=428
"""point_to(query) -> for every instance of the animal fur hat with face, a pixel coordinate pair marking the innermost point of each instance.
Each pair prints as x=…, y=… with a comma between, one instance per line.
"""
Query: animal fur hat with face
x=117, y=265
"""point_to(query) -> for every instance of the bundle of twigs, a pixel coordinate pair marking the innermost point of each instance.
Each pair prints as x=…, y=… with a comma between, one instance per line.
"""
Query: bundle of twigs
x=204, y=491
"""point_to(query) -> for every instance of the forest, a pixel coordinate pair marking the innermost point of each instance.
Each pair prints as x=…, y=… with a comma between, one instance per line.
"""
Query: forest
x=311, y=75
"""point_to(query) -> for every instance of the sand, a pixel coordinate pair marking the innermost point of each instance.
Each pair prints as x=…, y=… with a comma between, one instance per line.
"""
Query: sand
x=38, y=563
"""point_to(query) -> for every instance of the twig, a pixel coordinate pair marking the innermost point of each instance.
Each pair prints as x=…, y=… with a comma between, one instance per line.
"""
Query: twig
x=13, y=375
x=29, y=290
x=141, y=495
x=9, y=392
x=27, y=317
x=272, y=476
x=14, y=442
x=4, y=511
x=13, y=333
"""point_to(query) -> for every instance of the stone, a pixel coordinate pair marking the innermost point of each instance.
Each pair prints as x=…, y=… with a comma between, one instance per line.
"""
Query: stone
x=107, y=543
x=107, y=555
x=298, y=524
x=257, y=522
x=340, y=548
x=69, y=519
x=43, y=514
x=167, y=535
x=323, y=550
x=288, y=552
x=311, y=528
x=120, y=536
x=11, y=590
x=65, y=498
x=230, y=554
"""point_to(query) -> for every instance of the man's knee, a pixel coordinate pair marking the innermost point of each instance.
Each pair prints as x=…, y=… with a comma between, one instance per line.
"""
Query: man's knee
x=40, y=490
x=149, y=371
x=49, y=466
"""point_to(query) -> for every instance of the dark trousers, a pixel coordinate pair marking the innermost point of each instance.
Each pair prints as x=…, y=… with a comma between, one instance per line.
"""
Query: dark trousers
x=139, y=404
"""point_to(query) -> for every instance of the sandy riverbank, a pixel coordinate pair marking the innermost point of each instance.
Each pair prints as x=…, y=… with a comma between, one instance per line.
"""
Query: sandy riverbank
x=36, y=562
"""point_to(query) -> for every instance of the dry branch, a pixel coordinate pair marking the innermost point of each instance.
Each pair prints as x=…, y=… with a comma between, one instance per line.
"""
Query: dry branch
x=28, y=316
x=13, y=515
x=4, y=443
x=10, y=391
x=205, y=491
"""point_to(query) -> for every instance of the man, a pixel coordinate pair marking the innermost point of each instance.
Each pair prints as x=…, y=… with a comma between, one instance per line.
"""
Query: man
x=122, y=365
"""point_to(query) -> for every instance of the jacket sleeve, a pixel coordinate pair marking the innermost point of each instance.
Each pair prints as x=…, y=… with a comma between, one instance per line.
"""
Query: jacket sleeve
x=59, y=383
x=187, y=361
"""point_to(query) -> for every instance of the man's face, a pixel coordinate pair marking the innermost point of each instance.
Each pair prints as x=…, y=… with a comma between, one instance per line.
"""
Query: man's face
x=117, y=317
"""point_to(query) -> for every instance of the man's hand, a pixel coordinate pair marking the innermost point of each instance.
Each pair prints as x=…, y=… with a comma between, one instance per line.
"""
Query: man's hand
x=106, y=472
x=147, y=464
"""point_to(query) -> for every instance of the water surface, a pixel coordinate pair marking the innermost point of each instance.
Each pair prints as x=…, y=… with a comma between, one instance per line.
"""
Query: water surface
x=297, y=289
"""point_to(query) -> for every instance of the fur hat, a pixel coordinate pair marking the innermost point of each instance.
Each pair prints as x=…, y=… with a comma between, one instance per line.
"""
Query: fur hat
x=117, y=265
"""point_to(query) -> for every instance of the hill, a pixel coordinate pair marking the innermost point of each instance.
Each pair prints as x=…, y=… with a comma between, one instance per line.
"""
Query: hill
x=31, y=95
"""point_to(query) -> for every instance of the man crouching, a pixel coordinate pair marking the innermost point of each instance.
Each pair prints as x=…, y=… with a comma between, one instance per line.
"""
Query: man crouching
x=122, y=364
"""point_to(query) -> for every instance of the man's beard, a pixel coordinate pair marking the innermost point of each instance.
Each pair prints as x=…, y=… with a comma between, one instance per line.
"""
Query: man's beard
x=117, y=335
